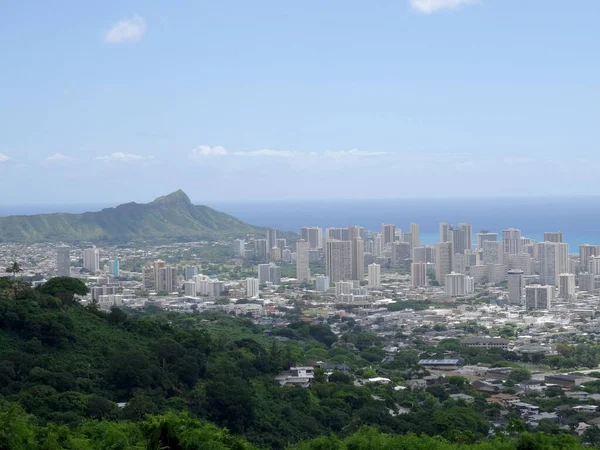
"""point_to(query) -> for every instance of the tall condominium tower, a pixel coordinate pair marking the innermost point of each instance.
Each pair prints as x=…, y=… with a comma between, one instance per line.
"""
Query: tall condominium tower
x=467, y=230
x=538, y=297
x=339, y=260
x=374, y=276
x=358, y=259
x=63, y=261
x=444, y=232
x=443, y=261
x=516, y=287
x=586, y=251
x=553, y=236
x=415, y=234
x=271, y=238
x=312, y=235
x=302, y=262
x=91, y=259
x=554, y=260
x=418, y=274
x=511, y=239
x=388, y=233
x=485, y=236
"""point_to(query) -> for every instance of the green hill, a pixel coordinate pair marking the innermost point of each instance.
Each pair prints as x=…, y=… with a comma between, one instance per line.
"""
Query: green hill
x=172, y=217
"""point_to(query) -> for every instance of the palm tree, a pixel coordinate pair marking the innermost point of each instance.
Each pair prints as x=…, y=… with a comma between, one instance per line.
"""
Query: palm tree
x=14, y=268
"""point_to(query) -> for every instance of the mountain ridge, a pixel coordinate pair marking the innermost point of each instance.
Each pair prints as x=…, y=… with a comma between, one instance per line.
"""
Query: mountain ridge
x=169, y=217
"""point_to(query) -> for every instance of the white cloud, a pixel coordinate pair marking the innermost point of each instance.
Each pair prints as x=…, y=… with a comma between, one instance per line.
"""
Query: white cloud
x=433, y=6
x=206, y=151
x=123, y=157
x=352, y=153
x=126, y=30
x=3, y=157
x=270, y=153
x=58, y=157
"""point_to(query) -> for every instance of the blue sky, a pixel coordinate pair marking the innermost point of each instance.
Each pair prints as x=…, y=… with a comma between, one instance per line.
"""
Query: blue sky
x=232, y=100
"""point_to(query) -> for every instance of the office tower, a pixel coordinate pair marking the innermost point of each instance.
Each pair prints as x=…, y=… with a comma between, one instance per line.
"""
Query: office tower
x=566, y=285
x=416, y=234
x=511, y=239
x=149, y=278
x=322, y=283
x=516, y=287
x=467, y=230
x=587, y=281
x=521, y=261
x=377, y=245
x=302, y=261
x=207, y=286
x=271, y=238
x=355, y=232
x=484, y=236
x=189, y=289
x=418, y=274
x=479, y=273
x=190, y=272
x=339, y=260
x=63, y=261
x=281, y=243
x=91, y=259
x=443, y=261
x=358, y=259
x=239, y=248
x=115, y=268
x=261, y=250
x=554, y=260
x=454, y=284
x=586, y=251
x=264, y=273
x=458, y=238
x=594, y=265
x=157, y=266
x=275, y=254
x=252, y=287
x=538, y=297
x=553, y=236
x=423, y=254
x=406, y=237
x=313, y=235
x=165, y=277
x=274, y=274
x=459, y=263
x=444, y=232
x=388, y=234
x=493, y=252
x=374, y=275
x=469, y=285
x=401, y=254
x=496, y=273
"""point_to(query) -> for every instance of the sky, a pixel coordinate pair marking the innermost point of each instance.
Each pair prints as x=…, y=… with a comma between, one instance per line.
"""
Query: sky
x=115, y=101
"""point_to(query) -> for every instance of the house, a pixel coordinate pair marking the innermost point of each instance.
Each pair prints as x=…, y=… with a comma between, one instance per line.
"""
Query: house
x=503, y=399
x=532, y=386
x=499, y=373
x=464, y=397
x=296, y=376
x=526, y=409
x=441, y=364
x=486, y=342
x=567, y=380
x=578, y=395
x=485, y=386
x=416, y=385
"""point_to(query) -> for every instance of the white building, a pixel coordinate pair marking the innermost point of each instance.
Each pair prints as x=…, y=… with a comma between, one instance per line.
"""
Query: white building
x=302, y=261
x=63, y=261
x=516, y=287
x=566, y=285
x=322, y=283
x=538, y=296
x=252, y=287
x=189, y=288
x=91, y=259
x=239, y=247
x=343, y=288
x=554, y=260
x=443, y=261
x=418, y=274
x=357, y=246
x=106, y=302
x=415, y=235
x=339, y=260
x=511, y=240
x=374, y=275
x=455, y=285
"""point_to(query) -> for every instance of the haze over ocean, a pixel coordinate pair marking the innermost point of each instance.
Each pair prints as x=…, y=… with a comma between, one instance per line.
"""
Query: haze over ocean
x=577, y=217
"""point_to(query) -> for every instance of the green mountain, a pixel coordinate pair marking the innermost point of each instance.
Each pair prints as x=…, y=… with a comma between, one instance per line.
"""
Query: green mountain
x=172, y=217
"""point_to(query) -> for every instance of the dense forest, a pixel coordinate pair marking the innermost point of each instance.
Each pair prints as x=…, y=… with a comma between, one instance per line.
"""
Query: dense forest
x=73, y=377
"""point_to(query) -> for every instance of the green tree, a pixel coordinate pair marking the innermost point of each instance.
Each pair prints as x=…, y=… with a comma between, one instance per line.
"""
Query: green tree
x=64, y=288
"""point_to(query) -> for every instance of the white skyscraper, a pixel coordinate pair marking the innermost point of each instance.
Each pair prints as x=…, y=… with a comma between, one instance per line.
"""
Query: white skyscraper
x=418, y=274
x=516, y=287
x=358, y=259
x=388, y=233
x=454, y=284
x=443, y=261
x=91, y=259
x=566, y=285
x=239, y=247
x=586, y=251
x=271, y=239
x=538, y=296
x=252, y=287
x=264, y=273
x=594, y=265
x=415, y=234
x=553, y=236
x=302, y=261
x=374, y=275
x=444, y=232
x=511, y=239
x=189, y=288
x=322, y=283
x=339, y=260
x=554, y=260
x=493, y=252
x=485, y=236
x=467, y=230
x=63, y=261
x=313, y=235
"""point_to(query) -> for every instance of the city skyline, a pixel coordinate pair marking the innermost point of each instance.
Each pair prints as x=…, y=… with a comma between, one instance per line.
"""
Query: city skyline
x=417, y=89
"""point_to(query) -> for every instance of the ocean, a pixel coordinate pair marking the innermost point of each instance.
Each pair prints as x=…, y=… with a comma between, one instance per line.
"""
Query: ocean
x=577, y=217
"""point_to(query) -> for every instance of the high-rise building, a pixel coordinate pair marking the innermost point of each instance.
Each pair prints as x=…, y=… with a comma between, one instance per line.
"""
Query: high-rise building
x=339, y=260
x=355, y=232
x=261, y=250
x=239, y=248
x=516, y=287
x=190, y=272
x=538, y=297
x=586, y=251
x=493, y=252
x=496, y=273
x=252, y=287
x=553, y=236
x=400, y=253
x=454, y=284
x=511, y=239
x=336, y=234
x=459, y=240
x=554, y=260
x=343, y=288
x=377, y=245
x=594, y=265
x=587, y=281
x=418, y=274
x=115, y=268
x=443, y=261
x=388, y=234
x=423, y=254
x=566, y=285
x=479, y=273
x=415, y=234
x=160, y=277
x=444, y=232
x=91, y=259
x=467, y=230
x=374, y=275
x=275, y=254
x=281, y=243
x=63, y=261
x=521, y=261
x=275, y=274
x=313, y=235
x=271, y=238
x=322, y=283
x=264, y=273
x=485, y=236
x=406, y=237
x=302, y=261
x=189, y=289
x=358, y=259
